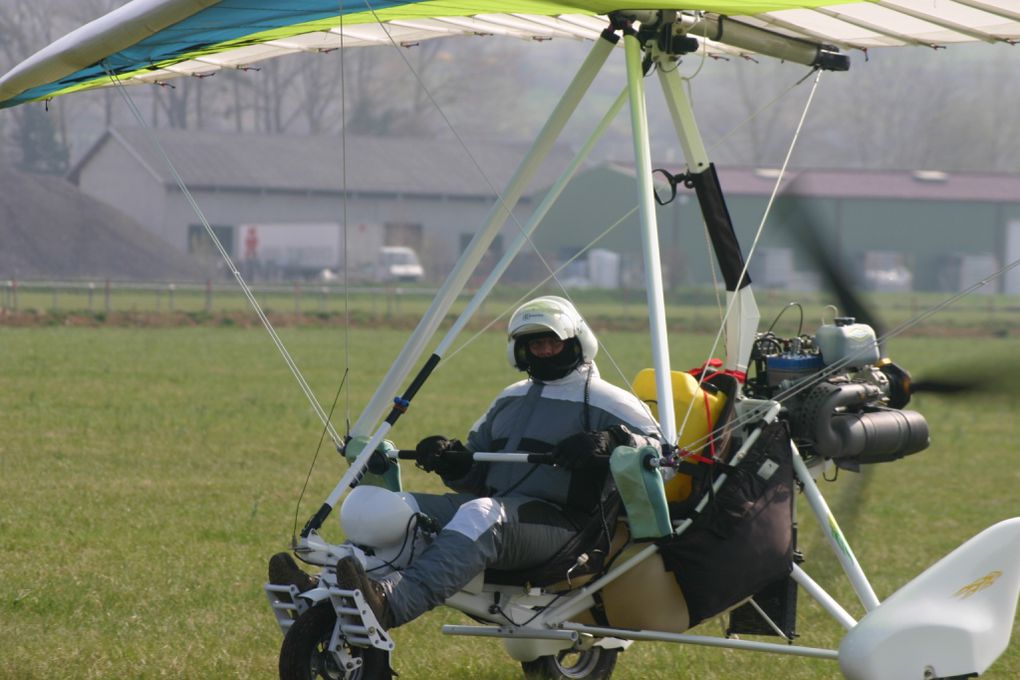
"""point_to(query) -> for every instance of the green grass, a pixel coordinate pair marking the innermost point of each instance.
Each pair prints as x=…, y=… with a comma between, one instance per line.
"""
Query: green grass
x=147, y=474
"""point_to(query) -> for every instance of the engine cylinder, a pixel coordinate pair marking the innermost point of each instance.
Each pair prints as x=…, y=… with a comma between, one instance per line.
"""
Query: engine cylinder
x=842, y=421
x=881, y=436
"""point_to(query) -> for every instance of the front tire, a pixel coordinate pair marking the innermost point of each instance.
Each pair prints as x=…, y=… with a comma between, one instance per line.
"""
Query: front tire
x=305, y=652
x=594, y=663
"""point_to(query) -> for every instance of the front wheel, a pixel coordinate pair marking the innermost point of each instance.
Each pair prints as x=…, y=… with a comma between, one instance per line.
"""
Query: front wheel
x=594, y=663
x=305, y=652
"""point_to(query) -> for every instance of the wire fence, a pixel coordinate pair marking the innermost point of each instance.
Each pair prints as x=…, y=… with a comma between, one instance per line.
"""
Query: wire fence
x=690, y=307
x=109, y=297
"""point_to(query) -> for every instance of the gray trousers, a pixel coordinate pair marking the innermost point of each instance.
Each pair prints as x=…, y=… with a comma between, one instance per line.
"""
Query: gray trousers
x=515, y=532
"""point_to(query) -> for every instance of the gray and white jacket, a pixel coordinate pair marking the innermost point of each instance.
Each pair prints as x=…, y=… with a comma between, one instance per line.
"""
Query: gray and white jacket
x=532, y=416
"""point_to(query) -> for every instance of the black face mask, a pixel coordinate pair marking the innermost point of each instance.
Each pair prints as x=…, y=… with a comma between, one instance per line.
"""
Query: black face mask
x=556, y=366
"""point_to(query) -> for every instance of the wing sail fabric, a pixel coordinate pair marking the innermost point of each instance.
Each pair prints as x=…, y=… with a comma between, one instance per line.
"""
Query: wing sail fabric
x=148, y=41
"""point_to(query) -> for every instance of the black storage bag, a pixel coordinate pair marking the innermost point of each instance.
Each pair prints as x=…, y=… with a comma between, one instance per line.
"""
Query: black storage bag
x=743, y=539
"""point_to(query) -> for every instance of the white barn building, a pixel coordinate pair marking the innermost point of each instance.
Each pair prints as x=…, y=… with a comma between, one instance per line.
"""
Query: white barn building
x=424, y=193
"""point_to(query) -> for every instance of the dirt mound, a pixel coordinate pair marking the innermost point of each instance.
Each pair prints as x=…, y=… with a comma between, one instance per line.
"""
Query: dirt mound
x=49, y=229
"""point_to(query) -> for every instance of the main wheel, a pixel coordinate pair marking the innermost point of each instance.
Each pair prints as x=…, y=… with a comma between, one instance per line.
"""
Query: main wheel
x=305, y=653
x=594, y=663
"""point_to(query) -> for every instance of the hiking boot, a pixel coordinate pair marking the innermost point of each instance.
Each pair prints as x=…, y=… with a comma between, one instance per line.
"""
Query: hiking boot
x=350, y=575
x=284, y=571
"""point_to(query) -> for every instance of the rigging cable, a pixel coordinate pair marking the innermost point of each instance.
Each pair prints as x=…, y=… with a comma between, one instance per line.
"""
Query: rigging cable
x=249, y=295
x=347, y=295
x=343, y=198
x=758, y=233
x=485, y=177
x=464, y=147
x=739, y=126
x=536, y=287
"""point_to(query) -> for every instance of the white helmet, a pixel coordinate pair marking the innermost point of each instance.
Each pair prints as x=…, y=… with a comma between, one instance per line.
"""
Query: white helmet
x=375, y=517
x=548, y=314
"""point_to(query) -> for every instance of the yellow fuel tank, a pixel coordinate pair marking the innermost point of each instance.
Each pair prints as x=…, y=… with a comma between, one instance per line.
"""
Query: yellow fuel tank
x=696, y=407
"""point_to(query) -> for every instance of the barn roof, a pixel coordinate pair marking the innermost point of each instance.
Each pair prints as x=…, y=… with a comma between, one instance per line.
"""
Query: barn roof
x=919, y=185
x=312, y=164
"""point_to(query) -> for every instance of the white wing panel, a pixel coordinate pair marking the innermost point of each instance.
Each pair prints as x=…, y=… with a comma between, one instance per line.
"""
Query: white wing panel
x=865, y=24
x=882, y=23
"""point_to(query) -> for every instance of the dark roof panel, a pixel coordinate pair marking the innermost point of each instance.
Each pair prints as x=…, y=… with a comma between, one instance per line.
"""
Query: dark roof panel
x=918, y=185
x=391, y=165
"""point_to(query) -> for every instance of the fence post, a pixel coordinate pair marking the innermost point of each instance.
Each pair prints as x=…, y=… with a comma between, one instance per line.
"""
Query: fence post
x=170, y=294
x=208, y=296
x=92, y=292
x=297, y=298
x=106, y=296
x=11, y=295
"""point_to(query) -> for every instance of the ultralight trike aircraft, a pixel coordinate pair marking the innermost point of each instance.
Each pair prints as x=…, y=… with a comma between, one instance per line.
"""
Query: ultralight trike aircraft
x=743, y=435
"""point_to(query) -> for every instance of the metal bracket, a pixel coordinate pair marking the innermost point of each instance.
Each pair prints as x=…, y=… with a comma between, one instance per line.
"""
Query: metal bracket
x=357, y=622
x=286, y=604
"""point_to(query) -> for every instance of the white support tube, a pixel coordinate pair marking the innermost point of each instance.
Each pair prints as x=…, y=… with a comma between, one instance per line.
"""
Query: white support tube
x=742, y=313
x=488, y=457
x=458, y=278
x=475, y=250
x=650, y=239
x=522, y=633
x=823, y=598
x=767, y=619
x=841, y=549
x=704, y=640
x=686, y=125
x=524, y=233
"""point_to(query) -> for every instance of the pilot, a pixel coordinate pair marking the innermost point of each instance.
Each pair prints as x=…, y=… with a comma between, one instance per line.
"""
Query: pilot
x=514, y=516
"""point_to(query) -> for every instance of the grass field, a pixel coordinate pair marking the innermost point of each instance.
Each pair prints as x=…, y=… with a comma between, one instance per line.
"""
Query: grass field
x=146, y=474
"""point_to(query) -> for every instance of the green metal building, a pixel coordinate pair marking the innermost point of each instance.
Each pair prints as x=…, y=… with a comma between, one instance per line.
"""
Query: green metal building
x=947, y=230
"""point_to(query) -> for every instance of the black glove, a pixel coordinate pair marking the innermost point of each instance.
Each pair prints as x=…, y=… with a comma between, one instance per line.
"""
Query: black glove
x=378, y=463
x=585, y=449
x=446, y=457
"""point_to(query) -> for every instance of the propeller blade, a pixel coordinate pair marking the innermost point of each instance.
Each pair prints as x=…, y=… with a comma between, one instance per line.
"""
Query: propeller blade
x=945, y=386
x=987, y=375
x=804, y=221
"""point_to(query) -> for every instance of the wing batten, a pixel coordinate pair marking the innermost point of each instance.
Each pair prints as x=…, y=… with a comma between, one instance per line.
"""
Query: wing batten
x=149, y=41
x=995, y=10
x=777, y=23
x=934, y=19
x=900, y=38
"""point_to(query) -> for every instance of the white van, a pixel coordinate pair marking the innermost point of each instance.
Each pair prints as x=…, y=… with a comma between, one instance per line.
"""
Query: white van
x=399, y=263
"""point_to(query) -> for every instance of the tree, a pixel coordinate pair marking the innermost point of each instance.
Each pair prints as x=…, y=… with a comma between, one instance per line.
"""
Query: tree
x=41, y=152
x=38, y=136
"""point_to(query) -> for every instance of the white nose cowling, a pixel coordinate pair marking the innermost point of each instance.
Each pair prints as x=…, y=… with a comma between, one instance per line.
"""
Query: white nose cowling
x=375, y=517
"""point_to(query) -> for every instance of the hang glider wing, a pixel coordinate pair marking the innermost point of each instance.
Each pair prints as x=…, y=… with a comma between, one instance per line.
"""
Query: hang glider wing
x=151, y=41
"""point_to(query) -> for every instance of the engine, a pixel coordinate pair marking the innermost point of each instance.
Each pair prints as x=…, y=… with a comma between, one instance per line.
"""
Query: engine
x=842, y=400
